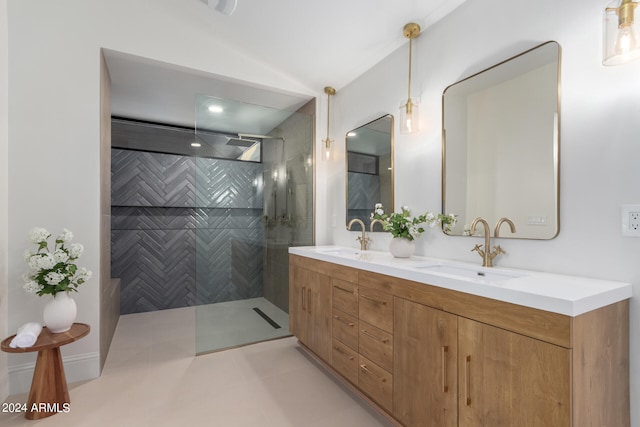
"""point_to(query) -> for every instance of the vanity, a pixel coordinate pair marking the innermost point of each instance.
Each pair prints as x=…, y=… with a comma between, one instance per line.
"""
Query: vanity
x=429, y=342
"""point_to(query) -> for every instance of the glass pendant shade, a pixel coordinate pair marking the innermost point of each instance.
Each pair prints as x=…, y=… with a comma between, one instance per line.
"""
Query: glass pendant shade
x=409, y=114
x=621, y=32
x=326, y=152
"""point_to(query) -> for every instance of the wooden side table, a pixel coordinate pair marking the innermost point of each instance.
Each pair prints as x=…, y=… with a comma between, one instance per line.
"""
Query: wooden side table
x=49, y=392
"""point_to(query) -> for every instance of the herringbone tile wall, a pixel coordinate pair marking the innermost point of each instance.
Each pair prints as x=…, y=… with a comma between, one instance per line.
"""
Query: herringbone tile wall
x=185, y=231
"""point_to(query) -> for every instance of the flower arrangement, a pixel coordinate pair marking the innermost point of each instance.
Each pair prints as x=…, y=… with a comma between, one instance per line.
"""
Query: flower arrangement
x=53, y=271
x=401, y=224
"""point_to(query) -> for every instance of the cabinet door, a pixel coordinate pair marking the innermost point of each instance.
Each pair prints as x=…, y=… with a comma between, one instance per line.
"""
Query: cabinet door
x=507, y=379
x=319, y=309
x=299, y=278
x=424, y=365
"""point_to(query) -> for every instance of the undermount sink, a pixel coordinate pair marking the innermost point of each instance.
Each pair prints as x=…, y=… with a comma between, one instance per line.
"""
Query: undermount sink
x=340, y=251
x=479, y=273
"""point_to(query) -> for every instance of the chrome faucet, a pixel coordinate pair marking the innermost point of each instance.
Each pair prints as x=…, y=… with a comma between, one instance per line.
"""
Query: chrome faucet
x=364, y=240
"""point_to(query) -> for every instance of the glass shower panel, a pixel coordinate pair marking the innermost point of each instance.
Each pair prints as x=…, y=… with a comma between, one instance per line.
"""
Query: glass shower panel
x=253, y=200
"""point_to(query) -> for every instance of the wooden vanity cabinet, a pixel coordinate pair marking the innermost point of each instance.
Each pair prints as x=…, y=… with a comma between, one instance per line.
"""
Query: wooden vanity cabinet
x=507, y=379
x=425, y=368
x=310, y=309
x=431, y=356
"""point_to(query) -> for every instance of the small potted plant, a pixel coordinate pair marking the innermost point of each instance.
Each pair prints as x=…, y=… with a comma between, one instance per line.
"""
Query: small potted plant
x=54, y=272
x=405, y=228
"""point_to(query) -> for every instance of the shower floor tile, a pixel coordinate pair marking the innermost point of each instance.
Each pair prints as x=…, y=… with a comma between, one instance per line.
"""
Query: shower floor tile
x=235, y=323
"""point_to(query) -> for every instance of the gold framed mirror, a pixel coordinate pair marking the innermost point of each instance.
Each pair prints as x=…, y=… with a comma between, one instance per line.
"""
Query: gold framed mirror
x=369, y=169
x=501, y=145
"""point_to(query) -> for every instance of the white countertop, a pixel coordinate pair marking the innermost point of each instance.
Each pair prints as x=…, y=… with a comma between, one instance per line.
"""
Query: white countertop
x=568, y=295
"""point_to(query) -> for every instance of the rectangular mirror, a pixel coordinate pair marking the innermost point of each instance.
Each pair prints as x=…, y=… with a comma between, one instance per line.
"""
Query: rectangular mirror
x=370, y=169
x=501, y=136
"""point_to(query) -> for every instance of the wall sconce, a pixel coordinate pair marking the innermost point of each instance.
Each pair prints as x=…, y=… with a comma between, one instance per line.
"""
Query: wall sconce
x=621, y=31
x=409, y=112
x=327, y=142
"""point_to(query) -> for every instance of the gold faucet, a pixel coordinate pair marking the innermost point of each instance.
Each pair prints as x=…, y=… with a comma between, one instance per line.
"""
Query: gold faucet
x=374, y=222
x=486, y=254
x=364, y=240
x=496, y=232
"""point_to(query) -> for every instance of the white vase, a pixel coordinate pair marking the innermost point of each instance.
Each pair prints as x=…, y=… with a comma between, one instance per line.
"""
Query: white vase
x=60, y=313
x=401, y=247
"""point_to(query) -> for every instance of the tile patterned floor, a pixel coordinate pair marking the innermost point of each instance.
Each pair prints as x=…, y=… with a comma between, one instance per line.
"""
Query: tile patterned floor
x=152, y=378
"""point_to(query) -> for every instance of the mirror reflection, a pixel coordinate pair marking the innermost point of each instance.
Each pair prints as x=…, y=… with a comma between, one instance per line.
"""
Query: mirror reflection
x=501, y=144
x=370, y=169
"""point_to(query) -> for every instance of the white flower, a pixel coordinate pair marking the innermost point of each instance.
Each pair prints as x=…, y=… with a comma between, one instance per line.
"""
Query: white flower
x=75, y=250
x=54, y=278
x=65, y=236
x=61, y=256
x=405, y=208
x=379, y=212
x=32, y=287
x=27, y=254
x=38, y=235
x=378, y=206
x=42, y=262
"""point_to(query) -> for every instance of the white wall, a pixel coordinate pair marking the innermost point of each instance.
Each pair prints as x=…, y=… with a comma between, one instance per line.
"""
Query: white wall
x=600, y=150
x=54, y=138
x=4, y=123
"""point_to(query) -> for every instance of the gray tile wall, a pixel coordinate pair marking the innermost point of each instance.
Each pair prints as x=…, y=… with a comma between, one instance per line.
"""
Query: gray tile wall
x=185, y=231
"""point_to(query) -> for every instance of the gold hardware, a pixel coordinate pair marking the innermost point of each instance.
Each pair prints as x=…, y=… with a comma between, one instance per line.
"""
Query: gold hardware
x=625, y=12
x=343, y=289
x=445, y=351
x=374, y=222
x=327, y=142
x=467, y=375
x=364, y=240
x=367, y=297
x=408, y=111
x=496, y=232
x=340, y=319
x=304, y=291
x=309, y=300
x=369, y=334
x=486, y=253
x=339, y=350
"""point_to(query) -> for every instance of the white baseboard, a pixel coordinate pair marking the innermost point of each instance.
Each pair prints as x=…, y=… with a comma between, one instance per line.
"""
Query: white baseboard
x=4, y=385
x=79, y=367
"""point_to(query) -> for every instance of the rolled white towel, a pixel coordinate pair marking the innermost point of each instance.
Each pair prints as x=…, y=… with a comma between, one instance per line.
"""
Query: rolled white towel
x=27, y=335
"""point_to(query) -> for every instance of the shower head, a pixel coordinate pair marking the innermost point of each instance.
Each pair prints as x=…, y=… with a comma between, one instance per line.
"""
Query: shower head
x=240, y=141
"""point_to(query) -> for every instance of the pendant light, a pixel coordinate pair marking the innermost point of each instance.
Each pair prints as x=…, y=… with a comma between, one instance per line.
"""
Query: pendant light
x=327, y=142
x=409, y=111
x=621, y=32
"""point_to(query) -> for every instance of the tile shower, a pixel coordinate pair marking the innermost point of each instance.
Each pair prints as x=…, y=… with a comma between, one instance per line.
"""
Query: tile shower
x=197, y=231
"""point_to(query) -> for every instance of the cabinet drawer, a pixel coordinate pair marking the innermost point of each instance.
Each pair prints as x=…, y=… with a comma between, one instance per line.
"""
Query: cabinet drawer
x=345, y=328
x=376, y=383
x=345, y=296
x=376, y=345
x=345, y=361
x=376, y=308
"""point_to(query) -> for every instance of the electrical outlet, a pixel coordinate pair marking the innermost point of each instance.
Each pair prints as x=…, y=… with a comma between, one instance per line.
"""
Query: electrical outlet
x=631, y=220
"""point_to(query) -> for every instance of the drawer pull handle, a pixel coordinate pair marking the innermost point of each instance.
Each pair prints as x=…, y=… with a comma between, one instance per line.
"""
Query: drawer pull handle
x=304, y=291
x=340, y=319
x=368, y=371
x=343, y=289
x=467, y=376
x=309, y=300
x=369, y=334
x=339, y=350
x=367, y=297
x=445, y=351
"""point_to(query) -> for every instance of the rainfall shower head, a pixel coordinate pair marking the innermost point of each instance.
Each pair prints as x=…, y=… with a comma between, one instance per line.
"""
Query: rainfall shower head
x=240, y=141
